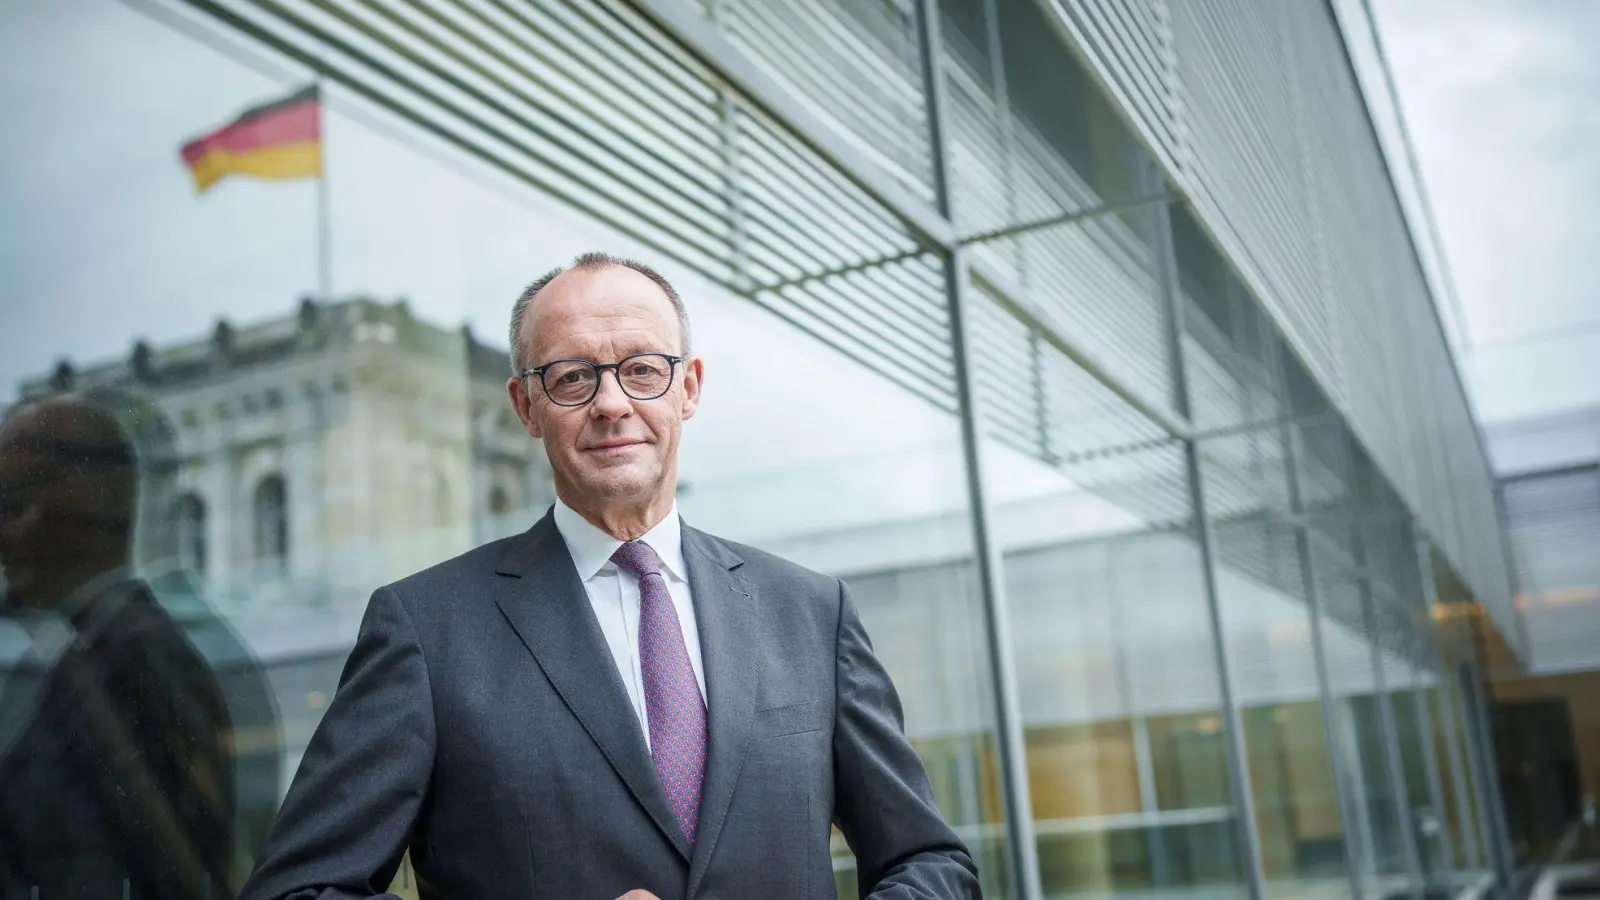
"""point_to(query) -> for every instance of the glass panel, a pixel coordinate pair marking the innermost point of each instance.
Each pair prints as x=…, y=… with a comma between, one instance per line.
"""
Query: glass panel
x=1032, y=136
x=1359, y=549
x=1477, y=832
x=921, y=610
x=1408, y=676
x=1291, y=764
x=1378, y=792
x=317, y=447
x=1235, y=396
x=1455, y=812
x=1023, y=150
x=1423, y=817
x=1298, y=813
x=1352, y=684
x=1083, y=770
x=1187, y=752
x=1116, y=671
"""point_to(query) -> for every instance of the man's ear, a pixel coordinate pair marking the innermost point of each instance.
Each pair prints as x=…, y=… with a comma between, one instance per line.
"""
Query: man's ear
x=694, y=375
x=522, y=402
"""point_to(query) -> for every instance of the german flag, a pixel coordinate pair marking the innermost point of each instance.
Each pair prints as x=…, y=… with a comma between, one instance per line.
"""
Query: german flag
x=278, y=140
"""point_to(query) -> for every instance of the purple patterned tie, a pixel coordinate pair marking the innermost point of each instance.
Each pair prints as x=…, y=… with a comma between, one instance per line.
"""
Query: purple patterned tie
x=672, y=701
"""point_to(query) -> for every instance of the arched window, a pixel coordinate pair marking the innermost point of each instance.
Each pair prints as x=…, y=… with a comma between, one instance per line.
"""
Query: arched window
x=271, y=510
x=191, y=518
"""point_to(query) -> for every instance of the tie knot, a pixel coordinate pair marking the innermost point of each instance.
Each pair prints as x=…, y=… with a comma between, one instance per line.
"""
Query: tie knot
x=638, y=558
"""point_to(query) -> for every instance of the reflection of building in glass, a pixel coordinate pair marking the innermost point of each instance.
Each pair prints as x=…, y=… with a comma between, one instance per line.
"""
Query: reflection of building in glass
x=321, y=455
x=329, y=451
x=1548, y=713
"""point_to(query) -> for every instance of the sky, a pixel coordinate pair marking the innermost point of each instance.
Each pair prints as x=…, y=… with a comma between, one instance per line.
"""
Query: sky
x=1502, y=102
x=105, y=240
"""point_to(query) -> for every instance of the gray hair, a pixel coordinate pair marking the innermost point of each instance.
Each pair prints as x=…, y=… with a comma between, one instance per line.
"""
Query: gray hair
x=592, y=260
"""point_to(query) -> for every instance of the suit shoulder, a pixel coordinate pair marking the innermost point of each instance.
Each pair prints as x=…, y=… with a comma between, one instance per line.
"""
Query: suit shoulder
x=764, y=567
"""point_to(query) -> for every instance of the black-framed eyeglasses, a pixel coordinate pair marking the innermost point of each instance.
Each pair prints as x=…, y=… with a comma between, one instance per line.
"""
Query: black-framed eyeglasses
x=574, y=382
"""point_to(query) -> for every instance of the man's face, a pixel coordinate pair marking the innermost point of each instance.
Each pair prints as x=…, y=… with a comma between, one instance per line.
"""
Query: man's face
x=29, y=485
x=59, y=521
x=614, y=452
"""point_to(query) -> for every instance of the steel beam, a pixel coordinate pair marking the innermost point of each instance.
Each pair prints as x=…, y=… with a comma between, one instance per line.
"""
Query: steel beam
x=1240, y=787
x=1022, y=849
x=1067, y=218
x=1344, y=791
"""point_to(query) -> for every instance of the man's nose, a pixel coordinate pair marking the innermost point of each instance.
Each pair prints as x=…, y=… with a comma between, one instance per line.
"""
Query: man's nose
x=609, y=400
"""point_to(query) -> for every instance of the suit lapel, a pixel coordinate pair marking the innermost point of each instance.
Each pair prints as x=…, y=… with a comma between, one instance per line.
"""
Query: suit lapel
x=544, y=600
x=725, y=610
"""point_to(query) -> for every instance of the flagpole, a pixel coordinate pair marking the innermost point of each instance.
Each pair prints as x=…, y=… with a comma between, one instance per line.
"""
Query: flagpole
x=324, y=212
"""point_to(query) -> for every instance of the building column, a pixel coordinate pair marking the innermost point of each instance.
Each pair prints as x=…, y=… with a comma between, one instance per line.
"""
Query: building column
x=224, y=518
x=1011, y=740
x=306, y=494
x=1335, y=724
x=1242, y=791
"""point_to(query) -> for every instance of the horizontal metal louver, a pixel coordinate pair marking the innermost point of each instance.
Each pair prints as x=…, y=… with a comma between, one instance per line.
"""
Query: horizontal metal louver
x=1553, y=519
x=855, y=64
x=1271, y=142
x=1137, y=37
x=1035, y=399
x=1019, y=153
x=595, y=105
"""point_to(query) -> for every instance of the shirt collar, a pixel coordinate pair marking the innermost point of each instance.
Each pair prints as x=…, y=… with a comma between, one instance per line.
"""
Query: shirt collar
x=591, y=548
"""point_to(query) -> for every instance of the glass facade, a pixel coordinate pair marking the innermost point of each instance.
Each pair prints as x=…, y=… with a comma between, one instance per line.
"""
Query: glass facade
x=1546, y=711
x=1159, y=623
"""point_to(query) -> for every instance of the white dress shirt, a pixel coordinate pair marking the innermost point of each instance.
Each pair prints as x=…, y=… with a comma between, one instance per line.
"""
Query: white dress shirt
x=614, y=594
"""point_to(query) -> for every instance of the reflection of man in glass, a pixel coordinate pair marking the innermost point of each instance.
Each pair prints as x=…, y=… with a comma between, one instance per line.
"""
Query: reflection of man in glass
x=611, y=704
x=116, y=777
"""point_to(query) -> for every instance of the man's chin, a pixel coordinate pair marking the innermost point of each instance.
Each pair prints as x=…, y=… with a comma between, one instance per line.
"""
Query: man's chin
x=622, y=481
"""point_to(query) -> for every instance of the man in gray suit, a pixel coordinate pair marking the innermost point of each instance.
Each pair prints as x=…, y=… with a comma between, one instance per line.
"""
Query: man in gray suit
x=611, y=703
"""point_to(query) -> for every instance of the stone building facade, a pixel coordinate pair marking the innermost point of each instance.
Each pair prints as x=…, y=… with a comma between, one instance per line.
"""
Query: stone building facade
x=323, y=453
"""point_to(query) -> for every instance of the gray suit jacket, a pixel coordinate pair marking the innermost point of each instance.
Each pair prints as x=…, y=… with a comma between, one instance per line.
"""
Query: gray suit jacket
x=481, y=723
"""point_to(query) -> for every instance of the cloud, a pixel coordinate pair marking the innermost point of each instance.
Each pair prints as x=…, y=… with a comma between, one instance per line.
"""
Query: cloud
x=1502, y=99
